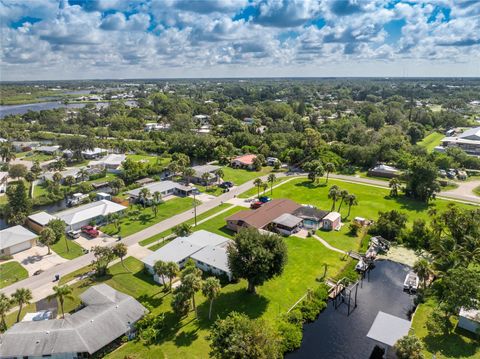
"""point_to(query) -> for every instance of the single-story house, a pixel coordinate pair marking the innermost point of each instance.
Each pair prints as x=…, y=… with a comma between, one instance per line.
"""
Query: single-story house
x=111, y=162
x=16, y=239
x=287, y=224
x=3, y=181
x=202, y=119
x=469, y=320
x=107, y=315
x=201, y=170
x=244, y=161
x=261, y=217
x=48, y=150
x=80, y=216
x=166, y=188
x=144, y=181
x=93, y=154
x=332, y=221
x=74, y=172
x=38, y=221
x=469, y=141
x=20, y=146
x=153, y=126
x=384, y=171
x=312, y=216
x=182, y=248
x=272, y=160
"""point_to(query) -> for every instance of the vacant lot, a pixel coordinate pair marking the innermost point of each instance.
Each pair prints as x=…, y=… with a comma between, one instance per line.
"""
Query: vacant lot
x=431, y=141
x=239, y=176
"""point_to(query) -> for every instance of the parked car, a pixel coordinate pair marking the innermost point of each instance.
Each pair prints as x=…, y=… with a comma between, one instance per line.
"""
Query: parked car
x=256, y=205
x=442, y=173
x=73, y=234
x=90, y=231
x=226, y=184
x=38, y=272
x=264, y=199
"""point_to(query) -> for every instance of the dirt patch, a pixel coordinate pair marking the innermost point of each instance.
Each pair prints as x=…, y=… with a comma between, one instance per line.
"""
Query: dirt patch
x=401, y=255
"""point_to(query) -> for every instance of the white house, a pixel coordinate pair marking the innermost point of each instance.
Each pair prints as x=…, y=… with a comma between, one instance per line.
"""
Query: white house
x=469, y=141
x=16, y=239
x=77, y=217
x=111, y=162
x=383, y=171
x=95, y=153
x=165, y=188
x=207, y=249
x=3, y=181
x=469, y=319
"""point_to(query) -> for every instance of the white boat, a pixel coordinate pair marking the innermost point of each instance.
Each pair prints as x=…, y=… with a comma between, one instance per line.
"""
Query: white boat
x=411, y=282
x=361, y=266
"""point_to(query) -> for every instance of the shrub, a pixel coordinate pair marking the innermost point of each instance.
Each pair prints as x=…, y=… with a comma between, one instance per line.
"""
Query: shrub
x=291, y=335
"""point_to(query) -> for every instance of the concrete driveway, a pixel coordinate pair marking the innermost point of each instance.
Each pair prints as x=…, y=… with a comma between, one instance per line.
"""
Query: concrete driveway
x=88, y=243
x=36, y=258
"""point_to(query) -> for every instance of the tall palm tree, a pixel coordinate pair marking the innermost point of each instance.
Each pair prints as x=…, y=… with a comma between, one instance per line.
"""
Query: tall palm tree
x=144, y=194
x=211, y=288
x=83, y=174
x=220, y=174
x=271, y=179
x=171, y=271
x=343, y=196
x=21, y=297
x=206, y=179
x=351, y=201
x=333, y=194
x=61, y=293
x=47, y=237
x=187, y=173
x=5, y=306
x=7, y=153
x=258, y=183
x=160, y=268
x=423, y=269
x=394, y=185
x=329, y=167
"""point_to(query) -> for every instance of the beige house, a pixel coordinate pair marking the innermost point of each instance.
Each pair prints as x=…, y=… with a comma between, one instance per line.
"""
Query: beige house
x=16, y=239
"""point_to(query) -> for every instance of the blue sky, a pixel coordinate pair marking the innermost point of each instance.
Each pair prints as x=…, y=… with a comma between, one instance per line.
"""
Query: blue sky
x=70, y=39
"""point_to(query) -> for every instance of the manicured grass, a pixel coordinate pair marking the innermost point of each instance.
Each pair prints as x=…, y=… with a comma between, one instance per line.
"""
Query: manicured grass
x=150, y=159
x=200, y=217
x=213, y=190
x=146, y=218
x=477, y=191
x=431, y=141
x=239, y=176
x=74, y=249
x=254, y=192
x=40, y=157
x=218, y=224
x=458, y=344
x=12, y=317
x=370, y=199
x=11, y=272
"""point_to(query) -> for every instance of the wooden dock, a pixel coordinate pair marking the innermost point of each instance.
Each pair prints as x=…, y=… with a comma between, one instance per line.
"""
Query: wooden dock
x=334, y=288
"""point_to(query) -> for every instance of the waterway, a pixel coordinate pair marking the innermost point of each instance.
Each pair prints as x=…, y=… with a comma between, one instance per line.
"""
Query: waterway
x=335, y=335
x=22, y=109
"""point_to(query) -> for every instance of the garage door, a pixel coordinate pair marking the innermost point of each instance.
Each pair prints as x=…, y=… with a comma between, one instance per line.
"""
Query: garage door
x=20, y=247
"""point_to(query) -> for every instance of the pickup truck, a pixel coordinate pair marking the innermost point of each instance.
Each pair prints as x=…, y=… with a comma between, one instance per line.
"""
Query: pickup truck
x=90, y=231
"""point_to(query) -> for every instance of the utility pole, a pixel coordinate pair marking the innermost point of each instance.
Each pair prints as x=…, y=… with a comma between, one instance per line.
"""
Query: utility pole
x=195, y=208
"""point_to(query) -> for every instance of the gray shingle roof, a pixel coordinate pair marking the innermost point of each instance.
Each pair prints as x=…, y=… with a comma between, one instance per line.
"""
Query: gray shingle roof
x=200, y=170
x=89, y=211
x=15, y=235
x=160, y=186
x=105, y=318
x=287, y=220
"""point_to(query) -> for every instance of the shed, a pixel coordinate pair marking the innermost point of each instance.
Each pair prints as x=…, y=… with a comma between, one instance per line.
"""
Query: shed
x=332, y=221
x=469, y=319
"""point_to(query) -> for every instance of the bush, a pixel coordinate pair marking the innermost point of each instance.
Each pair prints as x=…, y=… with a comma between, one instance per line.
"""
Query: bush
x=291, y=335
x=98, y=175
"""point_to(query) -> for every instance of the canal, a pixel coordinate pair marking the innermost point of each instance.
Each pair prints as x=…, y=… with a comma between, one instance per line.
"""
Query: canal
x=335, y=335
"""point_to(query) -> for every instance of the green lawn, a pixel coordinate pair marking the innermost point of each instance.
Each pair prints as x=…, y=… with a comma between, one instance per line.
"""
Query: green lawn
x=40, y=157
x=150, y=159
x=239, y=176
x=371, y=200
x=254, y=192
x=146, y=218
x=458, y=344
x=200, y=217
x=11, y=272
x=431, y=141
x=74, y=249
x=477, y=191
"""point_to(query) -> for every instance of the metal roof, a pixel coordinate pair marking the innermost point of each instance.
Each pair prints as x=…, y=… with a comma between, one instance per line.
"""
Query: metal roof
x=471, y=134
x=200, y=170
x=15, y=235
x=160, y=186
x=388, y=329
x=42, y=218
x=89, y=211
x=332, y=216
x=288, y=220
x=214, y=256
x=107, y=316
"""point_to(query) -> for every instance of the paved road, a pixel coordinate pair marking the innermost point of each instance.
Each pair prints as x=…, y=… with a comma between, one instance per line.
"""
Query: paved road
x=41, y=285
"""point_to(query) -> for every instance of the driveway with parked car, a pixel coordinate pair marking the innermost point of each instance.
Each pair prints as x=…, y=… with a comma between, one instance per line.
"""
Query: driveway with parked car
x=88, y=242
x=36, y=260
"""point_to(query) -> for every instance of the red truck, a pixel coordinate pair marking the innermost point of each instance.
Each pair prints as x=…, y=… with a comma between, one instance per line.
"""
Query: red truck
x=90, y=231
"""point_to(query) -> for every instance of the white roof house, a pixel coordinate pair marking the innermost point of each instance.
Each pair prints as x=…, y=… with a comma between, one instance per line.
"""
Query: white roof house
x=164, y=187
x=48, y=149
x=96, y=152
x=41, y=218
x=81, y=215
x=113, y=160
x=200, y=170
x=469, y=141
x=213, y=257
x=108, y=314
x=15, y=239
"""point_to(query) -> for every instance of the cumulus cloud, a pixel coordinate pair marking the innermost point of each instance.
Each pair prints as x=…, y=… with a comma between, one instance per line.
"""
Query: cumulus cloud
x=120, y=38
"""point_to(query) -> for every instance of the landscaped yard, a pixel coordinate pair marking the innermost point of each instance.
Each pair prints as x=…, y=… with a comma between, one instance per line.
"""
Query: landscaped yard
x=239, y=176
x=150, y=159
x=431, y=141
x=131, y=224
x=11, y=272
x=254, y=192
x=74, y=249
x=458, y=344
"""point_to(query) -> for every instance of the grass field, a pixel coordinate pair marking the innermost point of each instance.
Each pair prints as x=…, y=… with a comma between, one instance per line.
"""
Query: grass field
x=254, y=192
x=150, y=159
x=431, y=141
x=200, y=217
x=477, y=191
x=458, y=344
x=75, y=250
x=11, y=272
x=146, y=218
x=239, y=176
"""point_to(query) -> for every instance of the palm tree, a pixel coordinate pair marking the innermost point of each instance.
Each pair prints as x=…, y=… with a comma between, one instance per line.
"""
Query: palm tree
x=351, y=201
x=343, y=195
x=83, y=174
x=160, y=268
x=188, y=172
x=211, y=288
x=7, y=153
x=171, y=271
x=57, y=177
x=271, y=179
x=205, y=178
x=21, y=297
x=333, y=194
x=5, y=306
x=394, y=185
x=409, y=347
x=157, y=197
x=192, y=283
x=120, y=250
x=47, y=237
x=144, y=194
x=220, y=174
x=69, y=181
x=423, y=269
x=30, y=177
x=61, y=293
x=258, y=182
x=264, y=186
x=329, y=167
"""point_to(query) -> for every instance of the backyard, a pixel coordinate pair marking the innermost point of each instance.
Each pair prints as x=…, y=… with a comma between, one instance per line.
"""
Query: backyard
x=11, y=272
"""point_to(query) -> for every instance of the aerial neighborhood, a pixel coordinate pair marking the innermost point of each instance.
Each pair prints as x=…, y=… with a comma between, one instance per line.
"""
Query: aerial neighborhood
x=239, y=179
